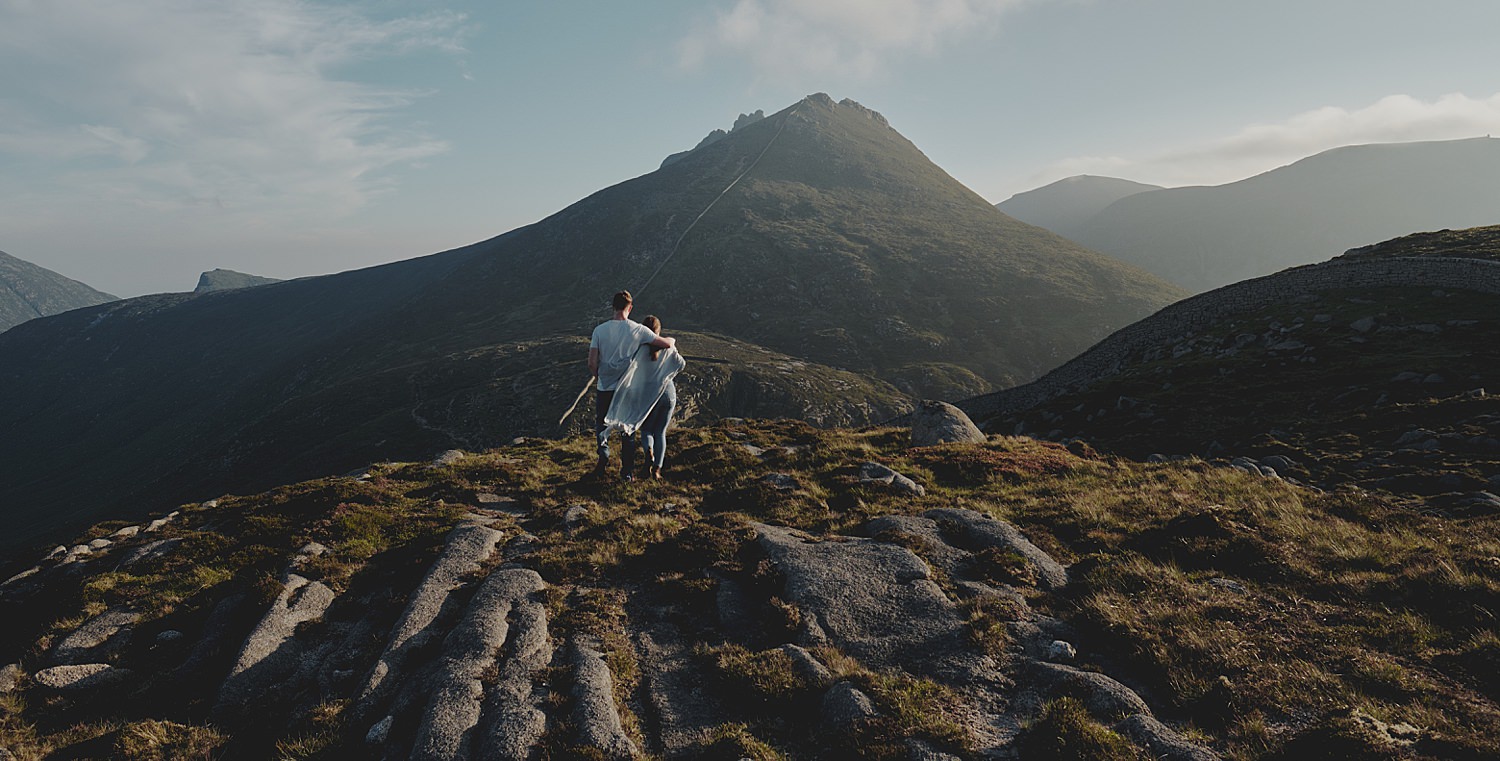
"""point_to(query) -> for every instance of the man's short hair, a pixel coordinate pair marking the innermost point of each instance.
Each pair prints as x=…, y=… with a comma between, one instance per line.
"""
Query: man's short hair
x=622, y=300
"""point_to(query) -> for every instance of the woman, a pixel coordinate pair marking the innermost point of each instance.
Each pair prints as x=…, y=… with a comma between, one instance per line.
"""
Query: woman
x=654, y=429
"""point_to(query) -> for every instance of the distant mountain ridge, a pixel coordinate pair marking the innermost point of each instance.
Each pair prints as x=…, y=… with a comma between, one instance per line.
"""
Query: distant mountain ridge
x=28, y=291
x=1065, y=205
x=1205, y=237
x=830, y=269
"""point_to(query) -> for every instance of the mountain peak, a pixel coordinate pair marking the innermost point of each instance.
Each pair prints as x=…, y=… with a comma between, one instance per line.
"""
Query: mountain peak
x=227, y=280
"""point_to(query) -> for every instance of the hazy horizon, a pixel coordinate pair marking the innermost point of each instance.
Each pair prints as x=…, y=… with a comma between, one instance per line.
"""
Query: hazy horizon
x=143, y=144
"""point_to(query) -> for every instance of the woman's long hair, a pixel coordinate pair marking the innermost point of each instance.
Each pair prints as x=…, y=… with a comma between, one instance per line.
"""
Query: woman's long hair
x=654, y=324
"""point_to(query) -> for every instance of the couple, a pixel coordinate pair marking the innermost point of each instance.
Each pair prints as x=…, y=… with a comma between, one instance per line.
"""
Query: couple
x=634, y=366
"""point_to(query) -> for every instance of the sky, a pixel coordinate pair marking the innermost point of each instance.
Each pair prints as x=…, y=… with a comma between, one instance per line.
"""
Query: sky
x=145, y=141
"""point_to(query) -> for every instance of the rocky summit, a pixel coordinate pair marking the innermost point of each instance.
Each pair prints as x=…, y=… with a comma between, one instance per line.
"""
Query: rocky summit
x=767, y=600
x=28, y=291
x=814, y=263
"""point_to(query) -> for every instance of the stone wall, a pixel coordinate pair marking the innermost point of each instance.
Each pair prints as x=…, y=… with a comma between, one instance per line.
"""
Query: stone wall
x=1172, y=323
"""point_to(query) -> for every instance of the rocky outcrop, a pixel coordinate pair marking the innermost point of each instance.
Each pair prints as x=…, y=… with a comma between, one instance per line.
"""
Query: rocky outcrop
x=502, y=618
x=271, y=653
x=468, y=546
x=98, y=638
x=935, y=422
x=594, y=710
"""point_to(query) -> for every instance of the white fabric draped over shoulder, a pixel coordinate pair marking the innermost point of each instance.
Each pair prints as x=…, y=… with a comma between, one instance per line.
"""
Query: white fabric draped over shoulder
x=640, y=387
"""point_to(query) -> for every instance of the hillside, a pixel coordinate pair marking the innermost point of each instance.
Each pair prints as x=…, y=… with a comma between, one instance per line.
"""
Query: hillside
x=1064, y=206
x=226, y=280
x=28, y=291
x=780, y=596
x=1374, y=369
x=840, y=270
x=1205, y=237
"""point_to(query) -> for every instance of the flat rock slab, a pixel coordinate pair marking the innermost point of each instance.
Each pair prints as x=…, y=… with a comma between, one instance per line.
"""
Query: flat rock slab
x=100, y=636
x=81, y=677
x=873, y=600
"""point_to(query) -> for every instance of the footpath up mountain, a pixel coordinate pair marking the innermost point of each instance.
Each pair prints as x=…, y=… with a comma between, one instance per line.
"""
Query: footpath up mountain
x=28, y=291
x=1206, y=237
x=813, y=263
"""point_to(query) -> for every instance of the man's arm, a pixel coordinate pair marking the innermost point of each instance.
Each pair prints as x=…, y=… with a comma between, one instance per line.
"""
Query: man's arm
x=594, y=361
x=664, y=342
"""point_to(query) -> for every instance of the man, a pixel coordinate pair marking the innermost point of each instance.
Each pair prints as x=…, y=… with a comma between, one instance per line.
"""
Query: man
x=610, y=349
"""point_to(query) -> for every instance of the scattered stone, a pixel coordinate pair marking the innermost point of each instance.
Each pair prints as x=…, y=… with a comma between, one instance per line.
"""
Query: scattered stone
x=1434, y=378
x=210, y=504
x=752, y=450
x=99, y=637
x=100, y=543
x=1279, y=463
x=1161, y=741
x=1474, y=393
x=807, y=666
x=80, y=677
x=149, y=551
x=448, y=457
x=875, y=473
x=574, y=518
x=1363, y=325
x=1321, y=318
x=845, y=706
x=167, y=636
x=380, y=731
x=934, y=422
x=10, y=678
x=1407, y=377
x=56, y=552
x=1229, y=585
x=77, y=552
x=1061, y=652
x=159, y=522
x=127, y=532
x=781, y=481
x=1427, y=328
x=594, y=709
x=468, y=546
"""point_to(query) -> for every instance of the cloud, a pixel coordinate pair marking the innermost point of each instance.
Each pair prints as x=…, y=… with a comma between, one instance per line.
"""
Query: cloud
x=239, y=105
x=1261, y=147
x=784, y=39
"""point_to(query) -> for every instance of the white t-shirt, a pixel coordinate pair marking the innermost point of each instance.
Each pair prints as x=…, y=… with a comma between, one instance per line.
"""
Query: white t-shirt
x=617, y=341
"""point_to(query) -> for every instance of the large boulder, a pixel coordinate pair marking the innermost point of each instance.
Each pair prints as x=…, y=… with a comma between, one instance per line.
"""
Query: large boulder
x=939, y=423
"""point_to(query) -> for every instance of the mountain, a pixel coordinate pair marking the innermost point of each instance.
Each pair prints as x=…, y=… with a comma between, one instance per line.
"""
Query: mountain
x=28, y=291
x=815, y=263
x=1373, y=369
x=781, y=595
x=1205, y=237
x=225, y=280
x=1065, y=205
